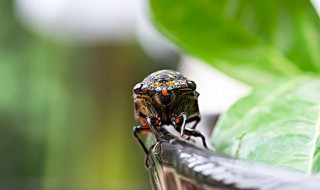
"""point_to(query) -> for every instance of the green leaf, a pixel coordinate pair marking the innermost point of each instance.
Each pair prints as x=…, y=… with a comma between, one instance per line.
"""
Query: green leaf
x=253, y=41
x=278, y=125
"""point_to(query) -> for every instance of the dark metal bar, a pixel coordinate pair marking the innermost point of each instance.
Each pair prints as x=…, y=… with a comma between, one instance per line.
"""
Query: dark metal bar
x=178, y=164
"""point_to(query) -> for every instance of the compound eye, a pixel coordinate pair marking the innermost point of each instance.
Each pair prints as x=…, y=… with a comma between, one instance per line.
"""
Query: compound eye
x=137, y=88
x=191, y=85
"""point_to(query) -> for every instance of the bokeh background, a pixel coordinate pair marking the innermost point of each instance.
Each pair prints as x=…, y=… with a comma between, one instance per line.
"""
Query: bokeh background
x=67, y=69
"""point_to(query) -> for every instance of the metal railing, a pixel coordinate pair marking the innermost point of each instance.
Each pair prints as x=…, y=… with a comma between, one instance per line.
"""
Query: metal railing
x=179, y=164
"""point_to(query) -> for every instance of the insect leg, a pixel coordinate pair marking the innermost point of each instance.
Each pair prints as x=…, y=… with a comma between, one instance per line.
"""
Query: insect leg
x=136, y=131
x=195, y=133
x=141, y=129
x=196, y=119
x=184, y=117
x=155, y=125
x=180, y=122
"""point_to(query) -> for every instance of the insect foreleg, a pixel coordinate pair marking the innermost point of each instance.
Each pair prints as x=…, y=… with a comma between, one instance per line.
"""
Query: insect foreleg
x=195, y=133
x=180, y=122
x=140, y=129
x=155, y=125
x=196, y=119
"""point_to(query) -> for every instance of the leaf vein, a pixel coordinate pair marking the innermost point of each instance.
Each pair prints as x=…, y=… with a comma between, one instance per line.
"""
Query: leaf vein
x=314, y=142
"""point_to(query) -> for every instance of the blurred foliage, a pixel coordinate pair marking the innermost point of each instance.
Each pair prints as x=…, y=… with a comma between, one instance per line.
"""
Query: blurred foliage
x=66, y=112
x=277, y=124
x=254, y=41
x=257, y=42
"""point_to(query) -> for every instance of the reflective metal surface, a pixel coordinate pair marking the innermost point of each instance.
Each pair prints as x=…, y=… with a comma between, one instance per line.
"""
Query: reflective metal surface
x=179, y=164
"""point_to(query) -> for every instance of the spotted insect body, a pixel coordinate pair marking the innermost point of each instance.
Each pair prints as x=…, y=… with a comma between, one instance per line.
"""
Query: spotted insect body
x=166, y=97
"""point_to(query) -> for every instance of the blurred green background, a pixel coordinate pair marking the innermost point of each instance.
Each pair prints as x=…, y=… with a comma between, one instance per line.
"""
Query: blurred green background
x=66, y=113
x=67, y=69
